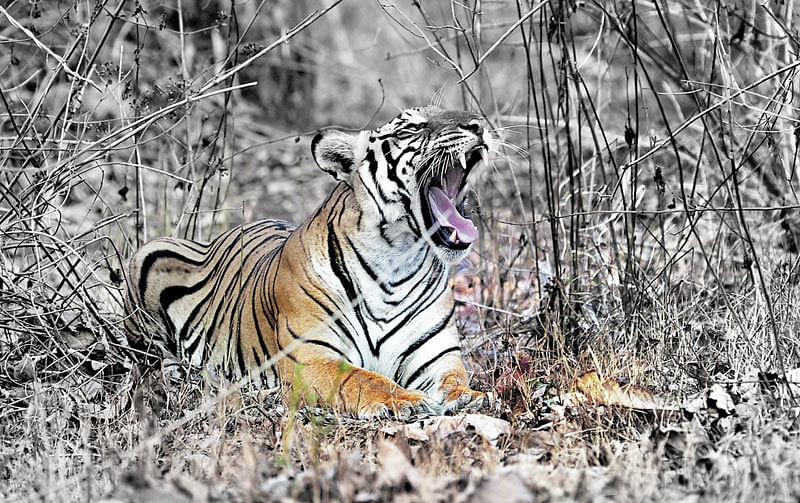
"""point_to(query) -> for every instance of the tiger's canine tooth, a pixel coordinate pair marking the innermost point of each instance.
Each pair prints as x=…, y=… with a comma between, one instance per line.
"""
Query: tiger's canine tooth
x=484, y=152
x=462, y=159
x=453, y=236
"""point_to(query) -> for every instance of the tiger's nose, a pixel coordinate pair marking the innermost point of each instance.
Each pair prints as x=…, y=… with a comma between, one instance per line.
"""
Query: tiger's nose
x=474, y=126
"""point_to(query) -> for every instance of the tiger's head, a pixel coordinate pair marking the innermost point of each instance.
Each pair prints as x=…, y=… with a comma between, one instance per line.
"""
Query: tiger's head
x=412, y=173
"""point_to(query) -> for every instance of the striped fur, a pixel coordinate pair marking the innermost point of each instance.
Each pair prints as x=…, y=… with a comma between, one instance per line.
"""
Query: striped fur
x=356, y=299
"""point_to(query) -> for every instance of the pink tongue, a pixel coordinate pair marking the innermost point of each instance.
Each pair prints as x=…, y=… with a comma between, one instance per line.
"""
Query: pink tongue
x=448, y=217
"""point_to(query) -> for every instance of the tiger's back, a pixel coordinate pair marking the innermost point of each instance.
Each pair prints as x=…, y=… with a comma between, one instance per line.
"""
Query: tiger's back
x=190, y=294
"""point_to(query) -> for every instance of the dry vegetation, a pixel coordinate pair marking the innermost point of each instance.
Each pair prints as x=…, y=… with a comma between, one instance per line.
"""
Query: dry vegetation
x=641, y=220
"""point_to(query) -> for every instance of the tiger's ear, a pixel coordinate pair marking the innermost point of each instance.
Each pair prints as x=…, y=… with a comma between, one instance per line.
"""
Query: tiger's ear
x=335, y=152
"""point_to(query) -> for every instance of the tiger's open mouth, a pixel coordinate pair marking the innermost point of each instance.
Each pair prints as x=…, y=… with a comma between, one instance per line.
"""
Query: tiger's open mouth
x=443, y=202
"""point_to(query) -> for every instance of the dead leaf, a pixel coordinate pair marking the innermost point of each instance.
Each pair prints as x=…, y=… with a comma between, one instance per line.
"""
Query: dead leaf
x=439, y=427
x=412, y=431
x=79, y=339
x=721, y=399
x=506, y=487
x=512, y=378
x=395, y=466
x=187, y=485
x=389, y=428
x=678, y=437
x=570, y=399
x=697, y=403
x=415, y=432
x=609, y=391
x=488, y=427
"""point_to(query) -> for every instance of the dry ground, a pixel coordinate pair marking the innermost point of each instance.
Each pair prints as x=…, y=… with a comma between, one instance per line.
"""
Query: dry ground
x=641, y=220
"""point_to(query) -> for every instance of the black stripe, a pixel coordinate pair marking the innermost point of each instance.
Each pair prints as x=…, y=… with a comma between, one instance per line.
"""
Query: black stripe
x=258, y=362
x=261, y=297
x=341, y=210
x=254, y=301
x=337, y=205
x=208, y=254
x=237, y=306
x=427, y=364
x=170, y=294
x=219, y=273
x=340, y=271
x=280, y=346
x=422, y=277
x=266, y=294
x=273, y=304
x=239, y=352
x=318, y=342
x=427, y=336
x=413, y=273
x=373, y=167
x=424, y=385
x=324, y=344
x=391, y=173
x=338, y=322
x=431, y=295
x=150, y=260
x=235, y=309
x=202, y=248
x=367, y=268
x=412, y=224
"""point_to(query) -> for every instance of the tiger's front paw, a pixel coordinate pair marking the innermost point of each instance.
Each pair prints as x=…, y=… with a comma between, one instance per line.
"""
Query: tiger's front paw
x=463, y=399
x=409, y=407
x=403, y=405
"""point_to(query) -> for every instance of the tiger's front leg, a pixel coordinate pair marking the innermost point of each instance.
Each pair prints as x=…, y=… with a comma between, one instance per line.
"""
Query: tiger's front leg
x=453, y=390
x=310, y=366
x=365, y=394
x=424, y=385
x=354, y=390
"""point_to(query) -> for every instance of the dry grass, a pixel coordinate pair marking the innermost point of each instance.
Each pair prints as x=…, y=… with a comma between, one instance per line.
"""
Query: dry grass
x=641, y=219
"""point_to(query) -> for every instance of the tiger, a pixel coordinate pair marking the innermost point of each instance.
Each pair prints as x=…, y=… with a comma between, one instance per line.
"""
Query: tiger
x=355, y=304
